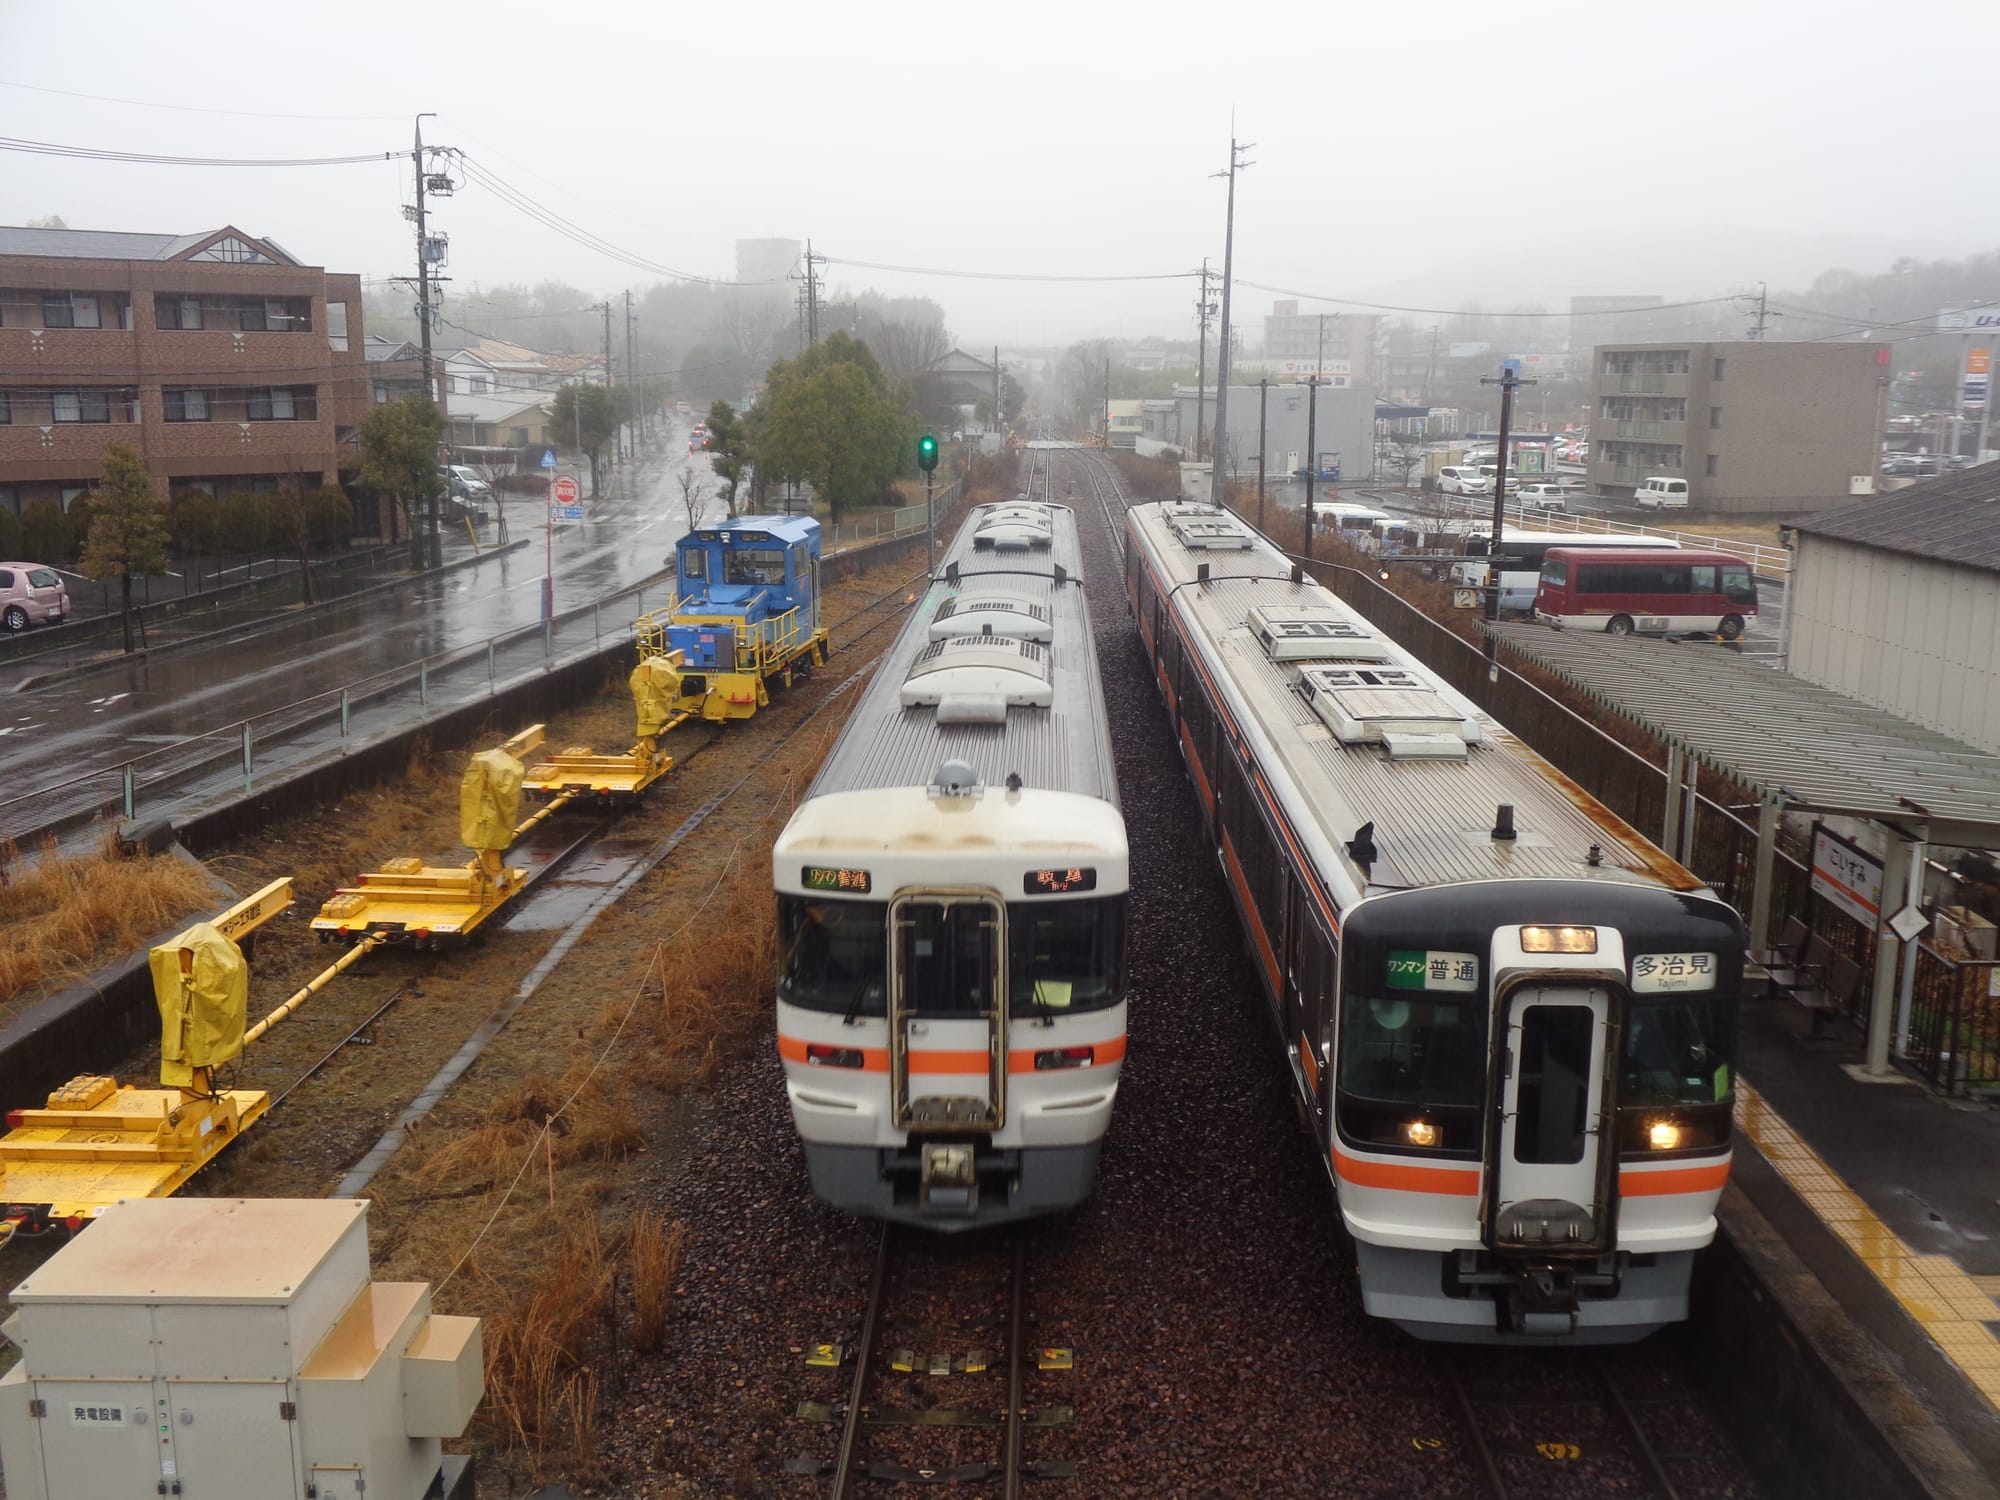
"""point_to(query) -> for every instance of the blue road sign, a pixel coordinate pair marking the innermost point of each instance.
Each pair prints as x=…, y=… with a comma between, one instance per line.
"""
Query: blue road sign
x=1511, y=366
x=548, y=458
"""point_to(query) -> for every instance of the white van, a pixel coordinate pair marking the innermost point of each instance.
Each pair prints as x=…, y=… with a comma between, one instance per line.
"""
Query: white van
x=1660, y=493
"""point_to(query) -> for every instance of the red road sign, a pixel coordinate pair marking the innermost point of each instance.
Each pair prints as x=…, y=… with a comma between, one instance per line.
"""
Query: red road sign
x=566, y=491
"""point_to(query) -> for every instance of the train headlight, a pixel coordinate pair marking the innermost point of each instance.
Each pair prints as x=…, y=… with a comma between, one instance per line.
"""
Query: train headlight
x=1663, y=1135
x=1419, y=1133
x=1558, y=939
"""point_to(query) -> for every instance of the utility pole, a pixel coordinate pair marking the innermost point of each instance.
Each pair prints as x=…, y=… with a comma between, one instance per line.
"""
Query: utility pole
x=1107, y=401
x=632, y=377
x=431, y=545
x=999, y=417
x=1509, y=382
x=1312, y=445
x=1263, y=402
x=1203, y=307
x=1763, y=316
x=1218, y=476
x=812, y=298
x=1430, y=370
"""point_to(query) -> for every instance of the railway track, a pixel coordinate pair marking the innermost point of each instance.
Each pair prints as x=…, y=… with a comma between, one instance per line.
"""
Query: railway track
x=931, y=1292
x=1536, y=1423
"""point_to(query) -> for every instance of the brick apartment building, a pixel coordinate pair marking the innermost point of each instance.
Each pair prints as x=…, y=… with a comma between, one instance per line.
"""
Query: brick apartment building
x=220, y=357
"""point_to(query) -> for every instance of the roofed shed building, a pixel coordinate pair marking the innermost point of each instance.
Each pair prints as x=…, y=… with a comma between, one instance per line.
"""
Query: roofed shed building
x=222, y=358
x=1897, y=602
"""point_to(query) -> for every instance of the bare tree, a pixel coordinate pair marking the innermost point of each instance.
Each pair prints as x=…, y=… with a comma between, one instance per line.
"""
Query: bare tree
x=694, y=500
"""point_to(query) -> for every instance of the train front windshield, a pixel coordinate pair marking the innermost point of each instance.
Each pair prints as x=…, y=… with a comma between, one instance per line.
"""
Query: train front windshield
x=1062, y=956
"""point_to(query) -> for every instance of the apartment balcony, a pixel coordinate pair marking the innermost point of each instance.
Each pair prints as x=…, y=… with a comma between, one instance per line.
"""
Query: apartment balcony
x=67, y=355
x=30, y=450
x=1642, y=385
x=1666, y=432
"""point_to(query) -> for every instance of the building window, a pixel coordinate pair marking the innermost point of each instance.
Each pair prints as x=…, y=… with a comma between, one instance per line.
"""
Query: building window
x=10, y=498
x=81, y=406
x=482, y=385
x=1718, y=369
x=6, y=407
x=278, y=404
x=71, y=493
x=231, y=249
x=517, y=437
x=1714, y=418
x=171, y=310
x=68, y=310
x=336, y=327
x=381, y=393
x=1711, y=466
x=186, y=404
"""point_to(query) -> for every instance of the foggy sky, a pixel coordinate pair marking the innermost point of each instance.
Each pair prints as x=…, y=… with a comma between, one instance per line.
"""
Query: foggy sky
x=1407, y=153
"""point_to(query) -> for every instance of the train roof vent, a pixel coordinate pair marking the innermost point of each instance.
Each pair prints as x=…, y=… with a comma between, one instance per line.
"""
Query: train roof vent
x=1017, y=526
x=975, y=679
x=1313, y=632
x=1209, y=531
x=1387, y=706
x=992, y=613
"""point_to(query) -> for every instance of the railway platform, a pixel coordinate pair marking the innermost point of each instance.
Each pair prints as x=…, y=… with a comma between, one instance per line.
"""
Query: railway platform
x=1886, y=1192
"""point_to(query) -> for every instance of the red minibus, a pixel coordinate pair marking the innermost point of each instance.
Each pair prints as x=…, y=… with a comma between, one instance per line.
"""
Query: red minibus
x=1620, y=591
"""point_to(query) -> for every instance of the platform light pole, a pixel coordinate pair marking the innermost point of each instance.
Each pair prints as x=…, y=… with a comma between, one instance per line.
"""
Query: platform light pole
x=1263, y=403
x=1509, y=380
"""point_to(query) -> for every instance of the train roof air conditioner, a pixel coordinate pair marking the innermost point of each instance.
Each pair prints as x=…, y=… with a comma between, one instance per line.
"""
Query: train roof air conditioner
x=975, y=679
x=1313, y=632
x=994, y=613
x=1209, y=532
x=1387, y=706
x=1016, y=526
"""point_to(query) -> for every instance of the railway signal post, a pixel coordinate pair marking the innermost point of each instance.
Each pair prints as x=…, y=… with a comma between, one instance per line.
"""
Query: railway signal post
x=927, y=457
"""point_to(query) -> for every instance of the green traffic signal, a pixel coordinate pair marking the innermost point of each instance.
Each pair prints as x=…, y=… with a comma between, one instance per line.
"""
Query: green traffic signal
x=927, y=454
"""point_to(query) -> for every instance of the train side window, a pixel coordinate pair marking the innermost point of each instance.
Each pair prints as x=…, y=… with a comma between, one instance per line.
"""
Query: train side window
x=1170, y=654
x=1197, y=717
x=694, y=565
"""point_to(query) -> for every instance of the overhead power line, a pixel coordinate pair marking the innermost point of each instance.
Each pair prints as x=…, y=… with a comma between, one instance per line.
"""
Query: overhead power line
x=1457, y=312
x=872, y=265
x=150, y=159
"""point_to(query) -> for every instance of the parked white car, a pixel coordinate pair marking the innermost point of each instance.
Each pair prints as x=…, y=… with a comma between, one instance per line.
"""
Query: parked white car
x=1662, y=493
x=1543, y=496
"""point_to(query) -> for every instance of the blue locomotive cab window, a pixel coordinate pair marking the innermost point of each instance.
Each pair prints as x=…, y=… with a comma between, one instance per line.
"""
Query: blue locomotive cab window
x=755, y=565
x=833, y=955
x=694, y=564
x=1065, y=956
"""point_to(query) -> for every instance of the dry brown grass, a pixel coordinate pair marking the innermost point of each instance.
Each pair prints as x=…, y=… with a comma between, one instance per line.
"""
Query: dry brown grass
x=62, y=915
x=656, y=1249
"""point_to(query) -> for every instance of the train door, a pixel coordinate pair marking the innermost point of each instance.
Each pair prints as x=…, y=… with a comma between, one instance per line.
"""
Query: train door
x=948, y=1011
x=1549, y=1179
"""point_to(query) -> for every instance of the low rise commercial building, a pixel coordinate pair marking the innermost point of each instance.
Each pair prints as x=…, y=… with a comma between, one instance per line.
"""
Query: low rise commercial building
x=224, y=360
x=1896, y=601
x=1752, y=427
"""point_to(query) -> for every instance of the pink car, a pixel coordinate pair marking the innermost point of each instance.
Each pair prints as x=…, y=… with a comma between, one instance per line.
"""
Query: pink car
x=31, y=594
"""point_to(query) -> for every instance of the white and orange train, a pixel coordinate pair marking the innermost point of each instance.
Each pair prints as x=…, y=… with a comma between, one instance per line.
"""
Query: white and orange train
x=952, y=901
x=1510, y=1019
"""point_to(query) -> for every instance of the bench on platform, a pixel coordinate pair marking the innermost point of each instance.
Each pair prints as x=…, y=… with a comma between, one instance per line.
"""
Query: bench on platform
x=1826, y=995
x=1782, y=961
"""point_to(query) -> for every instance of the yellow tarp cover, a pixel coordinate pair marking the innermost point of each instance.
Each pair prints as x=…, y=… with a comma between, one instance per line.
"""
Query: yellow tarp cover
x=202, y=1010
x=489, y=800
x=655, y=684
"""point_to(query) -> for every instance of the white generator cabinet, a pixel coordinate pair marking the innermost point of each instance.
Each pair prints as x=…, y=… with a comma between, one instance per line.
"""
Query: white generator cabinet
x=232, y=1349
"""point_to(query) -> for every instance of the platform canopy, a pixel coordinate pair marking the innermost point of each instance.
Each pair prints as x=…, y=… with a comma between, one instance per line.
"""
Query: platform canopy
x=1793, y=743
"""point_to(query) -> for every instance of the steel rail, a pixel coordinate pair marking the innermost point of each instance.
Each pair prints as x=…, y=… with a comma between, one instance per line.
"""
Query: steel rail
x=864, y=1358
x=1468, y=1418
x=1642, y=1446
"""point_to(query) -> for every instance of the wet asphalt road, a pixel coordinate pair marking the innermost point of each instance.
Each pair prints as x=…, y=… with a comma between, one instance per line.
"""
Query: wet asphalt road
x=105, y=717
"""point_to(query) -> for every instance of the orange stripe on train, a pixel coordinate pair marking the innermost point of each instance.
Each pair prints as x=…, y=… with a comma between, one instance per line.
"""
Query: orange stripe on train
x=1703, y=1179
x=876, y=1059
x=1457, y=1182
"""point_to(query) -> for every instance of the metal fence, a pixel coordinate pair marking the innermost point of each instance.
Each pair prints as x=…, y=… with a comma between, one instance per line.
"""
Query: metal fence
x=234, y=760
x=1765, y=561
x=888, y=524
x=1954, y=1023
